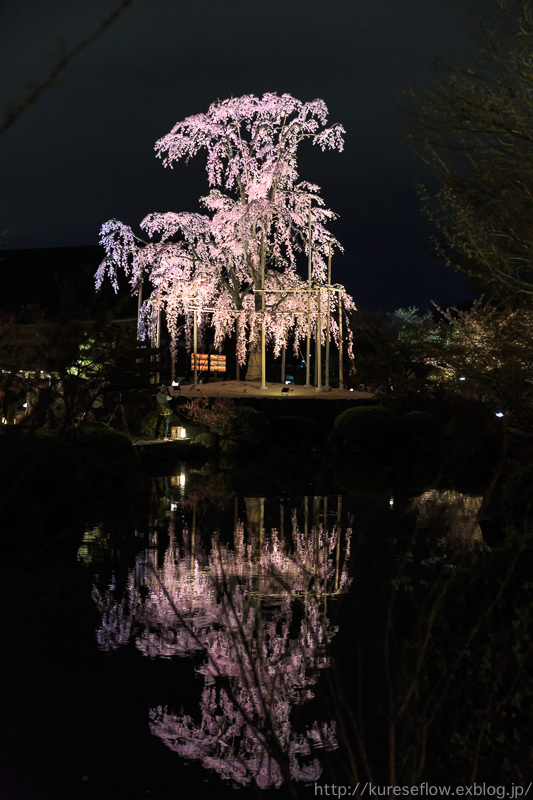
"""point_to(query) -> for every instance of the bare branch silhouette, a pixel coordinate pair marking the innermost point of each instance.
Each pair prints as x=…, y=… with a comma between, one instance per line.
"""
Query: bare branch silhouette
x=18, y=109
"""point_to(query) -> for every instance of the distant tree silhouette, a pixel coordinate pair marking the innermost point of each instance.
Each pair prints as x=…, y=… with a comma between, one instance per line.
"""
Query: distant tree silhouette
x=473, y=132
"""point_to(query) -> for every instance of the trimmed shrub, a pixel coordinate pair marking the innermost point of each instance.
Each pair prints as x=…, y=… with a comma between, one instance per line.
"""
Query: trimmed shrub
x=287, y=431
x=368, y=426
x=48, y=460
x=420, y=430
x=93, y=424
x=249, y=426
x=106, y=449
x=229, y=447
x=206, y=439
x=43, y=486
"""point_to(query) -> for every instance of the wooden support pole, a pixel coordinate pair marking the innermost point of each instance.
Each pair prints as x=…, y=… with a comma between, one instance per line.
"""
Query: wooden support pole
x=237, y=369
x=263, y=348
x=139, y=304
x=328, y=318
x=261, y=532
x=158, y=341
x=316, y=531
x=319, y=345
x=306, y=534
x=195, y=339
x=341, y=368
x=315, y=368
x=338, y=544
x=309, y=265
x=263, y=342
x=325, y=551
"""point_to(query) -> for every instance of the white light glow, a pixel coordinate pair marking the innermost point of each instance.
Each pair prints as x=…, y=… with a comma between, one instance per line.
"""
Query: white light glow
x=183, y=433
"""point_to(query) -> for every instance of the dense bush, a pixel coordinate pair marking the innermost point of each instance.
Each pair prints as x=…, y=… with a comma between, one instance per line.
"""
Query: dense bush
x=39, y=460
x=420, y=430
x=470, y=658
x=290, y=430
x=516, y=497
x=90, y=425
x=249, y=426
x=206, y=439
x=43, y=484
x=365, y=425
x=475, y=429
x=106, y=449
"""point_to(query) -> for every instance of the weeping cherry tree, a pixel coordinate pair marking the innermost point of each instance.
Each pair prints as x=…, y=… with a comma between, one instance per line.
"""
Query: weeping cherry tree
x=239, y=259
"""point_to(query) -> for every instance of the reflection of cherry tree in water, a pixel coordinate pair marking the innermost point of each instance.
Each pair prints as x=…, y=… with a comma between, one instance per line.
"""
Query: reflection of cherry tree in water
x=452, y=513
x=259, y=610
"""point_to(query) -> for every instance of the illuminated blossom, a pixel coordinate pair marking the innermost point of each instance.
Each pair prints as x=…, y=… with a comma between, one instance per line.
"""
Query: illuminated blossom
x=253, y=235
x=265, y=640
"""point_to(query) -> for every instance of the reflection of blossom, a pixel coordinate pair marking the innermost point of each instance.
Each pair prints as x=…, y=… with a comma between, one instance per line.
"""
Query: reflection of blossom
x=258, y=610
x=222, y=724
x=456, y=513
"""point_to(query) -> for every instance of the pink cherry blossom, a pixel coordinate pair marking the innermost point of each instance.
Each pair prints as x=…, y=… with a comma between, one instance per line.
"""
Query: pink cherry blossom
x=254, y=235
x=236, y=605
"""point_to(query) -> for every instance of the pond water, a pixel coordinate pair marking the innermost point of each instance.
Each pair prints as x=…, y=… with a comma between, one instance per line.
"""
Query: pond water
x=197, y=647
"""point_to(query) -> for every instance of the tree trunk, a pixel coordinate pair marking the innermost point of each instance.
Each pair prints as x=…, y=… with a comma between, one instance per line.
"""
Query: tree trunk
x=237, y=368
x=253, y=371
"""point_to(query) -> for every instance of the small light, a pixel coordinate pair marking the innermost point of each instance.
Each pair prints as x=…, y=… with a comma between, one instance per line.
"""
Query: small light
x=183, y=433
x=182, y=479
x=175, y=383
x=24, y=405
x=462, y=378
x=351, y=389
x=287, y=383
x=173, y=506
x=391, y=502
x=499, y=413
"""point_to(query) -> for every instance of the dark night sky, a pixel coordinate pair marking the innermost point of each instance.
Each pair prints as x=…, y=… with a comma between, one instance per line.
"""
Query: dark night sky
x=84, y=152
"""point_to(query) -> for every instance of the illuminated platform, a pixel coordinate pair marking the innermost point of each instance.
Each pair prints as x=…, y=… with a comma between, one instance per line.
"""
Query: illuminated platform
x=253, y=389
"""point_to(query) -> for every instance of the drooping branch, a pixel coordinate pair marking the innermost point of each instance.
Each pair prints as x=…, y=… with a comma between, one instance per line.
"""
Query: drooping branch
x=254, y=228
